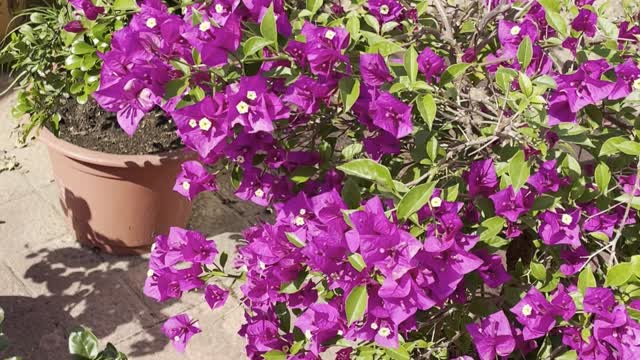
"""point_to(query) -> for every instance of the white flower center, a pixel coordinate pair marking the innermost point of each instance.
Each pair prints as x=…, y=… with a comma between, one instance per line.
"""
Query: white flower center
x=219, y=8
x=204, y=26
x=193, y=123
x=436, y=202
x=177, y=338
x=526, y=310
x=151, y=23
x=240, y=159
x=374, y=326
x=186, y=185
x=307, y=334
x=262, y=265
x=515, y=30
x=150, y=272
x=299, y=220
x=384, y=331
x=302, y=211
x=567, y=219
x=259, y=193
x=330, y=34
x=340, y=332
x=285, y=348
x=242, y=107
x=204, y=124
x=251, y=95
x=384, y=9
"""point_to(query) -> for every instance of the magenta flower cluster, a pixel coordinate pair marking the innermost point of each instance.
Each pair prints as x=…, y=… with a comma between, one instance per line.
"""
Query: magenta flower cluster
x=412, y=216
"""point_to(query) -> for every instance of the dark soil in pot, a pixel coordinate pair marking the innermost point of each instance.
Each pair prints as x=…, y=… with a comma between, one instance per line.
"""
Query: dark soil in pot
x=91, y=127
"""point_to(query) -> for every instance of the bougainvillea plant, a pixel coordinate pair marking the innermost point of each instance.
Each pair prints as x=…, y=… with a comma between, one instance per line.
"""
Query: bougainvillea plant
x=449, y=179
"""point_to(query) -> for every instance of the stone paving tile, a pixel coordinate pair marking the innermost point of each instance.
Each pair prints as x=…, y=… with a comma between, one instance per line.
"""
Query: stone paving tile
x=11, y=284
x=50, y=193
x=218, y=339
x=26, y=222
x=14, y=185
x=34, y=158
x=86, y=288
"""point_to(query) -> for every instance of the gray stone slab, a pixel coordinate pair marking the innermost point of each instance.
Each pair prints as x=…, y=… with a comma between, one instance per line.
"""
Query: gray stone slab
x=11, y=284
x=14, y=185
x=26, y=222
x=34, y=159
x=211, y=217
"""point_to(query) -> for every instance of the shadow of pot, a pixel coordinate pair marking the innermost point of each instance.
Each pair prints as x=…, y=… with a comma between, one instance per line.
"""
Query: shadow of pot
x=117, y=203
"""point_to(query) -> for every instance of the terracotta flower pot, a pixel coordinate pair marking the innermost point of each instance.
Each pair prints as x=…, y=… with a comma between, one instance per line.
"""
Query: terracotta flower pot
x=117, y=203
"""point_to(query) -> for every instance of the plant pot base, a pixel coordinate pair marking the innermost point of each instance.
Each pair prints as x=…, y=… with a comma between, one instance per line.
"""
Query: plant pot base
x=117, y=203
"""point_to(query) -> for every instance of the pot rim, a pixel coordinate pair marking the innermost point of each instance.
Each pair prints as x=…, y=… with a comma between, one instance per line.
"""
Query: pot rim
x=106, y=159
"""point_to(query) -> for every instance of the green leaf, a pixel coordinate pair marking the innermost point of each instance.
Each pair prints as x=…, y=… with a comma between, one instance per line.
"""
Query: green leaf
x=353, y=26
x=415, y=199
x=569, y=355
x=603, y=177
x=268, y=27
x=557, y=21
x=356, y=303
x=427, y=109
x=610, y=146
x=275, y=355
x=518, y=171
x=453, y=72
x=504, y=77
x=255, y=44
x=83, y=343
x=398, y=354
x=303, y=174
x=125, y=5
x=411, y=64
x=627, y=198
x=491, y=227
x=373, y=22
x=525, y=84
x=619, y=274
x=370, y=170
x=81, y=47
x=538, y=271
x=586, y=280
x=629, y=147
x=351, y=193
x=175, y=87
x=525, y=53
x=349, y=92
x=357, y=262
x=294, y=239
x=551, y=5
x=314, y=5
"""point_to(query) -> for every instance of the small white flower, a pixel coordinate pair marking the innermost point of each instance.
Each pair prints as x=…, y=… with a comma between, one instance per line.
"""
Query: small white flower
x=436, y=202
x=193, y=123
x=262, y=265
x=384, y=9
x=240, y=159
x=186, y=185
x=205, y=25
x=150, y=272
x=299, y=220
x=259, y=193
x=374, y=326
x=177, y=338
x=330, y=34
x=566, y=219
x=526, y=310
x=340, y=332
x=204, y=124
x=151, y=23
x=219, y=8
x=242, y=107
x=302, y=211
x=515, y=30
x=285, y=348
x=384, y=331
x=251, y=95
x=307, y=334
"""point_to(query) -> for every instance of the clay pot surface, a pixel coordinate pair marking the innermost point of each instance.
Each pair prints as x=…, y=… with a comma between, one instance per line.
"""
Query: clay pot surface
x=117, y=203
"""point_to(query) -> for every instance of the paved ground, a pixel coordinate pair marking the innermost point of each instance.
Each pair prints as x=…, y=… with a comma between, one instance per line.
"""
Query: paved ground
x=49, y=284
